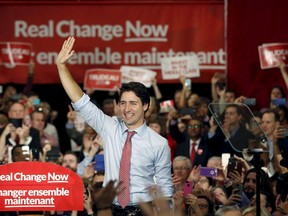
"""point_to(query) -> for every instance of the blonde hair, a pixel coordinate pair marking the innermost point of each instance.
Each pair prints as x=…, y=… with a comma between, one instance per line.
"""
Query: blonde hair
x=252, y=209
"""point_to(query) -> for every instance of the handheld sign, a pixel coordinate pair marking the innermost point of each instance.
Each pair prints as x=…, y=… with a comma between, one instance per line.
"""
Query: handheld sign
x=15, y=53
x=270, y=55
x=102, y=79
x=34, y=186
x=130, y=74
x=172, y=68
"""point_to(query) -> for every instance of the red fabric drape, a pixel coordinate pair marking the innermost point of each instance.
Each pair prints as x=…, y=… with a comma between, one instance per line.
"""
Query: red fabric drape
x=248, y=25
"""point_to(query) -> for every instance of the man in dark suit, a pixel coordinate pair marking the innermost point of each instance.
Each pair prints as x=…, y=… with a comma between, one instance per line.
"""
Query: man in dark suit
x=194, y=145
x=232, y=137
x=19, y=132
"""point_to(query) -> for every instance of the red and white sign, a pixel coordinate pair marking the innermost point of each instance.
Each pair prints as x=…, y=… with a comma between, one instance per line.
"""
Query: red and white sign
x=172, y=68
x=39, y=186
x=135, y=74
x=271, y=54
x=102, y=79
x=15, y=53
x=166, y=106
x=112, y=35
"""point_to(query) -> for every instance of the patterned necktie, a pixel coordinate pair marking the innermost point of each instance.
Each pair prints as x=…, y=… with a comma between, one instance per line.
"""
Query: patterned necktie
x=124, y=173
x=193, y=152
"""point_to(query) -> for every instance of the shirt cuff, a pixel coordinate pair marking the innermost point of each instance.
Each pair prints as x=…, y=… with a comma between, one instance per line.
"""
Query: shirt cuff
x=81, y=102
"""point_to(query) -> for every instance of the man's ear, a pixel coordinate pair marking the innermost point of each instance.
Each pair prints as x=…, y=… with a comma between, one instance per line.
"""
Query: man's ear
x=145, y=107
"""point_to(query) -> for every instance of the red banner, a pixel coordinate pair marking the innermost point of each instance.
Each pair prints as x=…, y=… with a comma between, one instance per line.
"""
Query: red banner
x=250, y=24
x=112, y=35
x=39, y=186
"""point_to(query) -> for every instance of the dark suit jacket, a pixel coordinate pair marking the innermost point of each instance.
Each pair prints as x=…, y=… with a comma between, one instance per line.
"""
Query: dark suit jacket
x=35, y=142
x=183, y=149
x=218, y=143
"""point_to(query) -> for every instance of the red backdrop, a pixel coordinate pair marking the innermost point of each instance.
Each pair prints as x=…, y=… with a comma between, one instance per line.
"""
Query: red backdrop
x=250, y=24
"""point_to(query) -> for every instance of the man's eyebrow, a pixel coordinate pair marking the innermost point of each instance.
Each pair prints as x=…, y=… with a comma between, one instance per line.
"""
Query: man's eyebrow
x=129, y=101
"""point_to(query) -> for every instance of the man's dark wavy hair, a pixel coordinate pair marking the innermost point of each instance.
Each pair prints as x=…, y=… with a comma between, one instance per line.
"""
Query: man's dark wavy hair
x=139, y=89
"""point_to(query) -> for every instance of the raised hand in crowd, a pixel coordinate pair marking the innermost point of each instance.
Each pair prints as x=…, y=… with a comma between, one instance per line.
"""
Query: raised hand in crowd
x=88, y=172
x=278, y=133
x=283, y=69
x=216, y=91
x=23, y=133
x=194, y=174
x=7, y=130
x=116, y=108
x=103, y=197
x=245, y=165
x=161, y=207
x=178, y=201
x=235, y=178
x=194, y=209
x=88, y=202
x=240, y=99
x=71, y=115
x=234, y=199
x=46, y=148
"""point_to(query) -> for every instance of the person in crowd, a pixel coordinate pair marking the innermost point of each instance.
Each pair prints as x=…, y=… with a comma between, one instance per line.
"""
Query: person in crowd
x=8, y=95
x=21, y=153
x=202, y=110
x=269, y=123
x=204, y=183
x=251, y=211
x=91, y=146
x=181, y=169
x=214, y=162
x=281, y=205
x=75, y=131
x=17, y=132
x=200, y=204
x=249, y=183
x=280, y=150
x=50, y=117
x=151, y=153
x=283, y=115
x=276, y=92
x=194, y=141
x=3, y=122
x=108, y=106
x=266, y=201
x=230, y=210
x=187, y=99
x=218, y=83
x=38, y=122
x=31, y=137
x=70, y=161
x=232, y=137
x=102, y=198
x=219, y=195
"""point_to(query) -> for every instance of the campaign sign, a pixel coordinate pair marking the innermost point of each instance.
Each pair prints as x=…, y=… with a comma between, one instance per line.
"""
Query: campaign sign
x=39, y=186
x=15, y=53
x=137, y=74
x=172, y=68
x=102, y=79
x=166, y=106
x=272, y=54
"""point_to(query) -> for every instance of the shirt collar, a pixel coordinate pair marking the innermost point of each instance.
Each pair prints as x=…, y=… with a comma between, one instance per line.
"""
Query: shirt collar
x=140, y=130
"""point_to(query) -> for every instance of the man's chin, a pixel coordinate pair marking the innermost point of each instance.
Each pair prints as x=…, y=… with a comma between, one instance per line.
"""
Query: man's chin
x=73, y=169
x=249, y=193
